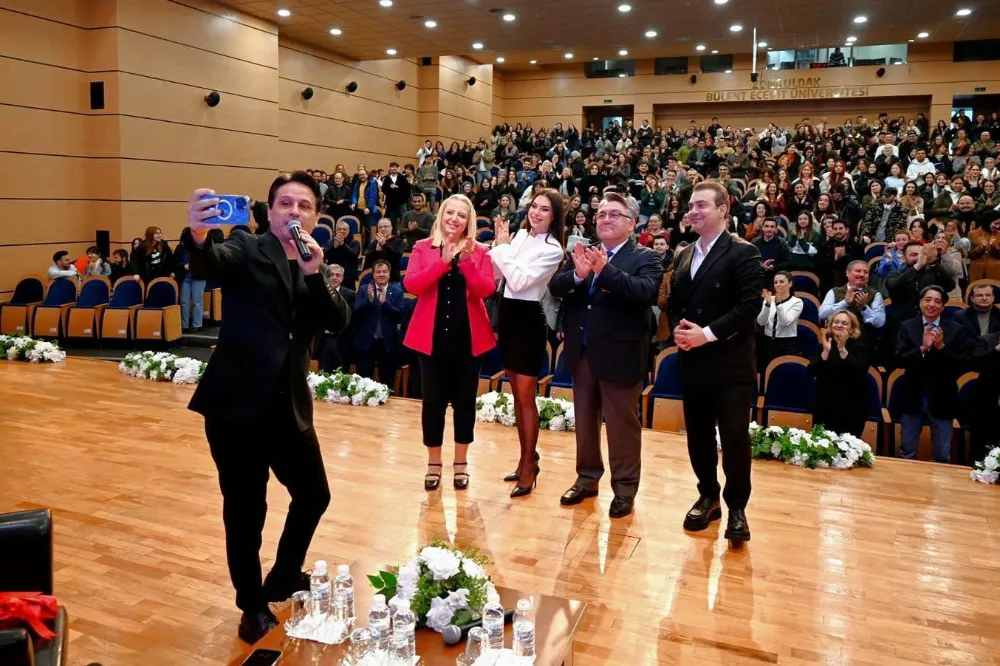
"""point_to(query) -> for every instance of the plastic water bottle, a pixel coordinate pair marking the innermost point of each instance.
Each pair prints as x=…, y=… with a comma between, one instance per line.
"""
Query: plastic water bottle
x=319, y=586
x=493, y=621
x=343, y=594
x=524, y=629
x=378, y=623
x=404, y=626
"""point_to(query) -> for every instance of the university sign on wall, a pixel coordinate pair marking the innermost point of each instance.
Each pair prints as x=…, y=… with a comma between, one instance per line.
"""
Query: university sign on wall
x=805, y=87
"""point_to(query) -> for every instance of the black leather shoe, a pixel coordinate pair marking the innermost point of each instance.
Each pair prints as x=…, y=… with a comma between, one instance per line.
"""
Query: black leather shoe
x=461, y=480
x=738, y=529
x=704, y=511
x=276, y=589
x=621, y=506
x=575, y=495
x=255, y=626
x=516, y=474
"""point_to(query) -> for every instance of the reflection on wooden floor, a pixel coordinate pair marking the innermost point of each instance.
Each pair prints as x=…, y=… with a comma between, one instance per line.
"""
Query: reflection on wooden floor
x=895, y=565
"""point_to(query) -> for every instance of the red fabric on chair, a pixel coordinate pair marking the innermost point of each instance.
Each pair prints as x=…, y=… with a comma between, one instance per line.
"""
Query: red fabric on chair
x=28, y=608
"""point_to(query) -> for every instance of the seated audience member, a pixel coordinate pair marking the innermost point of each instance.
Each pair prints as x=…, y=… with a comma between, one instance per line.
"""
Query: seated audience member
x=774, y=251
x=417, y=221
x=344, y=250
x=62, y=267
x=882, y=221
x=385, y=246
x=804, y=241
x=335, y=350
x=662, y=248
x=120, y=266
x=378, y=310
x=153, y=258
x=894, y=257
x=933, y=351
x=337, y=200
x=981, y=317
x=96, y=264
x=581, y=225
x=840, y=396
x=859, y=298
x=951, y=260
x=506, y=211
x=654, y=229
x=984, y=255
x=918, y=231
x=779, y=317
x=835, y=254
x=946, y=203
x=984, y=403
x=922, y=270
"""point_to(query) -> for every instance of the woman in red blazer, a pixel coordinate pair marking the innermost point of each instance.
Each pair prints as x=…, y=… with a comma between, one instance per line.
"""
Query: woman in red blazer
x=451, y=274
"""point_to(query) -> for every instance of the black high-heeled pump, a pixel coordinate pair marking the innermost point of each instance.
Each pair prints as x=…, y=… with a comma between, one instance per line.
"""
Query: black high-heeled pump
x=522, y=491
x=432, y=481
x=516, y=474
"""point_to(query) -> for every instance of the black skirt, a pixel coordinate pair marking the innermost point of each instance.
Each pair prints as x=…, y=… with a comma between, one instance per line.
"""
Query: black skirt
x=521, y=336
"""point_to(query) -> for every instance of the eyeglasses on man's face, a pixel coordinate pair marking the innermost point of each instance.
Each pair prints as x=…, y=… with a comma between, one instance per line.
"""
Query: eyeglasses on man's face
x=611, y=216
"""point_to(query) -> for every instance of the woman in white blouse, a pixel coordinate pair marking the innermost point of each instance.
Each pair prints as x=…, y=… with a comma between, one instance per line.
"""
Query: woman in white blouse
x=526, y=262
x=780, y=319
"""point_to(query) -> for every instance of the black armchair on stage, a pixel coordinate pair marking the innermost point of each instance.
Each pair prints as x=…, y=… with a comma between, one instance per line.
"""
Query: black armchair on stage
x=26, y=566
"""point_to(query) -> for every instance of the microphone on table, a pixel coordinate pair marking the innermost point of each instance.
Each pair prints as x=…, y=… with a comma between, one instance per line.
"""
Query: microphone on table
x=453, y=634
x=295, y=227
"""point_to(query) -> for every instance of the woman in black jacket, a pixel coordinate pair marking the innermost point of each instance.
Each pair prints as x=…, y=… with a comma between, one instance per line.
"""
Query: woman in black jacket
x=486, y=198
x=840, y=365
x=153, y=259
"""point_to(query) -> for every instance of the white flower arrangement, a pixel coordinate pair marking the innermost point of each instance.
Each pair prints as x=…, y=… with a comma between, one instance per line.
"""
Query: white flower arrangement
x=25, y=348
x=442, y=584
x=162, y=367
x=553, y=413
x=987, y=470
x=347, y=389
x=816, y=448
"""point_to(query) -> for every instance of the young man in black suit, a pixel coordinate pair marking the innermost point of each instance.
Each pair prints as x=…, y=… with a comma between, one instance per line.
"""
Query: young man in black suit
x=379, y=307
x=715, y=295
x=607, y=293
x=254, y=395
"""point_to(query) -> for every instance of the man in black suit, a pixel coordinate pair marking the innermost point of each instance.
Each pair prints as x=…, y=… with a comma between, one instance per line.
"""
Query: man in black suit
x=336, y=350
x=715, y=295
x=396, y=189
x=254, y=395
x=933, y=351
x=983, y=321
x=378, y=310
x=607, y=293
x=982, y=318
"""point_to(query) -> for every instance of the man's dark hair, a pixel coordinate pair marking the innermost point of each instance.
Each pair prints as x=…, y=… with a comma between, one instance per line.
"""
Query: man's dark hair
x=381, y=262
x=836, y=222
x=934, y=287
x=122, y=254
x=295, y=177
x=910, y=244
x=59, y=255
x=93, y=249
x=392, y=164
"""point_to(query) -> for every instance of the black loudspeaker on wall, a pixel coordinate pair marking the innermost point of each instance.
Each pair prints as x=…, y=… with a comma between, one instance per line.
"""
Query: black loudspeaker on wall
x=753, y=77
x=104, y=242
x=96, y=95
x=880, y=72
x=471, y=81
x=694, y=78
x=400, y=85
x=352, y=86
x=426, y=61
x=213, y=98
x=307, y=94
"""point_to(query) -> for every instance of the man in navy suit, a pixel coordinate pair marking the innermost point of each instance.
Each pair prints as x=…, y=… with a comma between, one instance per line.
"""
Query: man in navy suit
x=378, y=310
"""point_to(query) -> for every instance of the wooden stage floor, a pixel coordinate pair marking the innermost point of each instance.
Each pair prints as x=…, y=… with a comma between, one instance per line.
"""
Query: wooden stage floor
x=889, y=566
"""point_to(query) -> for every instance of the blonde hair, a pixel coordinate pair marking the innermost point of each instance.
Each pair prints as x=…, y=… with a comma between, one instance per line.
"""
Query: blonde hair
x=855, y=324
x=437, y=233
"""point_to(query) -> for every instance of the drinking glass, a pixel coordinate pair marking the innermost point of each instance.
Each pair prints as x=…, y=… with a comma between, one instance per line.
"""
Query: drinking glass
x=301, y=606
x=361, y=644
x=476, y=644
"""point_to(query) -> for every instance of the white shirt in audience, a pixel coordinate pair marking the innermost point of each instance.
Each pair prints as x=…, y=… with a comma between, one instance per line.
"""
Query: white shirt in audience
x=527, y=263
x=54, y=272
x=788, y=313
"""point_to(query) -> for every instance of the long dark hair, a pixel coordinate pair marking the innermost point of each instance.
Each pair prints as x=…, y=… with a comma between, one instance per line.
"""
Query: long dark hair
x=558, y=214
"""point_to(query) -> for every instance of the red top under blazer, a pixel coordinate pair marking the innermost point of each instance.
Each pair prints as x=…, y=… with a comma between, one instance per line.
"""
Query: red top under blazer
x=424, y=271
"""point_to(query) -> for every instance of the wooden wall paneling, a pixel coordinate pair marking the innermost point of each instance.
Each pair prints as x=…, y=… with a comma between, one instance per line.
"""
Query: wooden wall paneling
x=55, y=177
x=167, y=181
x=51, y=220
x=57, y=133
x=40, y=40
x=143, y=139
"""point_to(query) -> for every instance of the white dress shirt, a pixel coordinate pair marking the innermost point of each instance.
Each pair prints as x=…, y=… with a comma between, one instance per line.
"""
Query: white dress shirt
x=697, y=258
x=788, y=313
x=527, y=263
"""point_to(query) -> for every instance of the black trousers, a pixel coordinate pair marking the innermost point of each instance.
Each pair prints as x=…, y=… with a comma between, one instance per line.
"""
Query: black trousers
x=244, y=453
x=378, y=357
x=728, y=406
x=453, y=380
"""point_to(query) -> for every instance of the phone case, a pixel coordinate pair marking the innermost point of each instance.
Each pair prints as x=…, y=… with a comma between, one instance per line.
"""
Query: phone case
x=233, y=209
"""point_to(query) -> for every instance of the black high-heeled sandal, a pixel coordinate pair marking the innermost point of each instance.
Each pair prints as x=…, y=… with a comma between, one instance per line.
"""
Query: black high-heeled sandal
x=461, y=481
x=432, y=481
x=521, y=491
x=516, y=474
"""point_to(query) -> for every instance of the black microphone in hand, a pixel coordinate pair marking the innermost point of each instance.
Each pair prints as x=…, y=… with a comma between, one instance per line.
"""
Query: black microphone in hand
x=295, y=227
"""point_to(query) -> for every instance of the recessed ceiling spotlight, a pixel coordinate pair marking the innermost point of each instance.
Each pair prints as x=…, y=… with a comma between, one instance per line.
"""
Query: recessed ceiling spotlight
x=477, y=45
x=650, y=34
x=729, y=71
x=700, y=47
x=923, y=35
x=390, y=51
x=595, y=57
x=568, y=56
x=532, y=62
x=509, y=17
x=852, y=39
x=624, y=8
x=284, y=13
x=762, y=45
x=736, y=27
x=430, y=24
x=623, y=52
x=500, y=58
x=336, y=32
x=861, y=19
x=385, y=3
x=721, y=2
x=715, y=51
x=963, y=12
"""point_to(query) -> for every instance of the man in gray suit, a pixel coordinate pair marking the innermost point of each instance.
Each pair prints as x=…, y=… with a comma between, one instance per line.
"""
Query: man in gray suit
x=607, y=293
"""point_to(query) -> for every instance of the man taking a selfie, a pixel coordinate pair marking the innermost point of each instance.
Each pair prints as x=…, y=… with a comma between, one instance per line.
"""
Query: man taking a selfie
x=254, y=396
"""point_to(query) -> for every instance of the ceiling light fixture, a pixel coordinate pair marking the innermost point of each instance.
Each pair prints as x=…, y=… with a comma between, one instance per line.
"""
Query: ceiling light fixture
x=568, y=56
x=385, y=3
x=762, y=45
x=721, y=2
x=736, y=27
x=650, y=34
x=624, y=8
x=284, y=13
x=700, y=47
x=715, y=52
x=963, y=12
x=861, y=19
x=390, y=52
x=623, y=52
x=923, y=35
x=477, y=45
x=509, y=17
x=500, y=58
x=430, y=24
x=852, y=39
x=595, y=57
x=336, y=32
x=532, y=62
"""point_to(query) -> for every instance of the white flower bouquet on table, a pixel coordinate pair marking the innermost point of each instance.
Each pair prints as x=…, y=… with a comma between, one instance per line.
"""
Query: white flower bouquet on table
x=987, y=470
x=347, y=389
x=162, y=367
x=25, y=348
x=553, y=413
x=816, y=448
x=443, y=585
